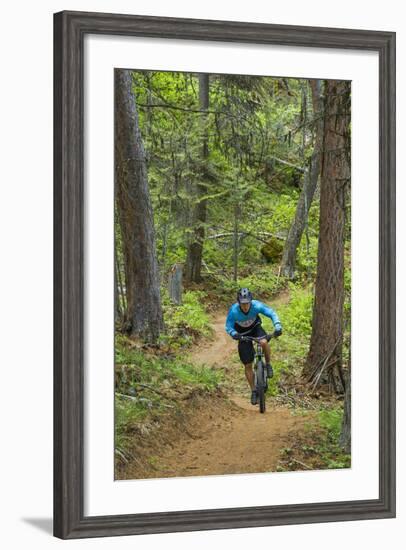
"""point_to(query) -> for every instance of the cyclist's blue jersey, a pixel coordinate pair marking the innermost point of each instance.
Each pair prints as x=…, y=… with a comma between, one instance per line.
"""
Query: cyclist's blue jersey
x=237, y=319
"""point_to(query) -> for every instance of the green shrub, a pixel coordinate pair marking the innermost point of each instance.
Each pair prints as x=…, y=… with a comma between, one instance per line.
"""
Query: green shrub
x=139, y=367
x=331, y=420
x=191, y=313
x=262, y=282
x=297, y=314
x=324, y=449
x=306, y=261
x=187, y=321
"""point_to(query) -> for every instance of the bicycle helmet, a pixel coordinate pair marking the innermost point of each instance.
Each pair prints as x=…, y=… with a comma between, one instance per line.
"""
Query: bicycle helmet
x=244, y=296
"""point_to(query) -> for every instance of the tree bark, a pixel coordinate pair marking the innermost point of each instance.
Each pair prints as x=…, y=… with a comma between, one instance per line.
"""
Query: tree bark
x=143, y=312
x=195, y=248
x=345, y=436
x=117, y=290
x=325, y=354
x=175, y=286
x=310, y=179
x=236, y=242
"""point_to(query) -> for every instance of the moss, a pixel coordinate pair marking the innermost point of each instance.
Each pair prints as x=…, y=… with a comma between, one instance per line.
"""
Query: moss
x=272, y=250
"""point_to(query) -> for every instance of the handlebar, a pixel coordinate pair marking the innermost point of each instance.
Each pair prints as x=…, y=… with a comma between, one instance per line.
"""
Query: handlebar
x=258, y=338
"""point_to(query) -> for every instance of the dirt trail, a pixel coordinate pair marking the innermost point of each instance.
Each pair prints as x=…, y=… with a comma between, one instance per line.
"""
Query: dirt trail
x=230, y=440
x=228, y=436
x=215, y=353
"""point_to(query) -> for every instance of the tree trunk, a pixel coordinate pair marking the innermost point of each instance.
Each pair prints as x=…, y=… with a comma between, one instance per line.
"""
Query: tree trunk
x=311, y=176
x=195, y=248
x=325, y=353
x=236, y=242
x=143, y=312
x=175, y=286
x=345, y=436
x=117, y=291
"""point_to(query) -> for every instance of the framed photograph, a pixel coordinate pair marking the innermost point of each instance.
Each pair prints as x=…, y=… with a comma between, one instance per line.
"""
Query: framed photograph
x=224, y=274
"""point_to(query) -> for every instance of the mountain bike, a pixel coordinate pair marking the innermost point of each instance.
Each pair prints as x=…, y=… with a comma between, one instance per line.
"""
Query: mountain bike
x=260, y=374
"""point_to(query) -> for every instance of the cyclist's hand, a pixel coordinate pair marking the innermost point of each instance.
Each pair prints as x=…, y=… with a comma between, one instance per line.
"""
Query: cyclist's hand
x=237, y=336
x=278, y=331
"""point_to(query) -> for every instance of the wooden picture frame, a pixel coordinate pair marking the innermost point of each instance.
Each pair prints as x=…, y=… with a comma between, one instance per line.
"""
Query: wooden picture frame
x=69, y=31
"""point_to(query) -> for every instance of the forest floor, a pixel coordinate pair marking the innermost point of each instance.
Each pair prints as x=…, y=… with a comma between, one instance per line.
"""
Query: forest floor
x=223, y=433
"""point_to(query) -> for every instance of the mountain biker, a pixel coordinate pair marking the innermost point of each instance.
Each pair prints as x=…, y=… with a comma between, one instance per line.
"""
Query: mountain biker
x=243, y=320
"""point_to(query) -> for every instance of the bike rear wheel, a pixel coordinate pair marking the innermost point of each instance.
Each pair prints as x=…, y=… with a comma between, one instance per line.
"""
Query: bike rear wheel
x=261, y=382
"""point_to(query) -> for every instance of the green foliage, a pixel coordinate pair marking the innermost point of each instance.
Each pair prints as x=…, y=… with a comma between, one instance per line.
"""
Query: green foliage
x=297, y=314
x=141, y=367
x=331, y=420
x=128, y=413
x=262, y=282
x=192, y=313
x=321, y=449
x=273, y=383
x=251, y=122
x=148, y=385
x=187, y=321
x=252, y=176
x=288, y=353
x=281, y=212
x=306, y=261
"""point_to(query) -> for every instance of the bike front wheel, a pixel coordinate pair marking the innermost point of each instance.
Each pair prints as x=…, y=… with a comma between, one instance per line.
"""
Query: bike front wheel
x=261, y=382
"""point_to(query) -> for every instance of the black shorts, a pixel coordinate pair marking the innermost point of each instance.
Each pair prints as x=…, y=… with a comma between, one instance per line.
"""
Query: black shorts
x=246, y=349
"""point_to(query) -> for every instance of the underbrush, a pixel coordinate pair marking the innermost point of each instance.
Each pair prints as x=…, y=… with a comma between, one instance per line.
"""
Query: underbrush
x=297, y=314
x=262, y=280
x=318, y=447
x=288, y=353
x=149, y=385
x=187, y=322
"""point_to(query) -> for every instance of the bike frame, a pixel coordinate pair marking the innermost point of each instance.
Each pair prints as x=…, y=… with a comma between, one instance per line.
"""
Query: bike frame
x=259, y=352
x=261, y=377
